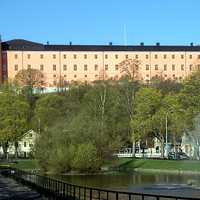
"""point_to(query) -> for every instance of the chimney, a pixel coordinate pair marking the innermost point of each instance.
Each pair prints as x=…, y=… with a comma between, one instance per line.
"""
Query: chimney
x=110, y=43
x=47, y=42
x=142, y=44
x=70, y=43
x=191, y=44
x=158, y=44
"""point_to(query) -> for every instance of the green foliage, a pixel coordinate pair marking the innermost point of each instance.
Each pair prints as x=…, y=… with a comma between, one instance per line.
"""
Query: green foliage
x=86, y=158
x=13, y=117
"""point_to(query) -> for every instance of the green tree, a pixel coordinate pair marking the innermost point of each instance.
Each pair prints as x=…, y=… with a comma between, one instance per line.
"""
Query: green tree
x=13, y=118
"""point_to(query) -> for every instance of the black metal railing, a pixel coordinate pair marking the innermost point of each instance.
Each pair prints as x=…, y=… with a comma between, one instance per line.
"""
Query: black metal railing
x=61, y=190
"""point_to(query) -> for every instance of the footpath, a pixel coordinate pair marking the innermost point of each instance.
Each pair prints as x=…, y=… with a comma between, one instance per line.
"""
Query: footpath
x=10, y=189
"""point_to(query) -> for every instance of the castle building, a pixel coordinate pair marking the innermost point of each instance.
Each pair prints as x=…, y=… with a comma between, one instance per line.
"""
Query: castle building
x=96, y=62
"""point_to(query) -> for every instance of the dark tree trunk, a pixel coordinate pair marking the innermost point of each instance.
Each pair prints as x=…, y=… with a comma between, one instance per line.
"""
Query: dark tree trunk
x=162, y=147
x=5, y=150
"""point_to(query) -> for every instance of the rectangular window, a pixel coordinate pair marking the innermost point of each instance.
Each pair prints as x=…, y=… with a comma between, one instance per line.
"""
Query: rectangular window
x=126, y=56
x=164, y=56
x=106, y=56
x=190, y=67
x=16, y=56
x=95, y=56
x=136, y=56
x=41, y=56
x=16, y=67
x=96, y=67
x=116, y=56
x=54, y=67
x=182, y=56
x=173, y=67
x=165, y=67
x=116, y=67
x=28, y=66
x=75, y=75
x=106, y=67
x=29, y=56
x=85, y=68
x=190, y=56
x=75, y=56
x=75, y=67
x=198, y=56
x=182, y=67
x=41, y=67
x=156, y=56
x=64, y=67
x=64, y=56
x=24, y=144
x=147, y=67
x=173, y=56
x=54, y=75
x=54, y=56
x=156, y=67
x=85, y=56
x=147, y=56
x=85, y=75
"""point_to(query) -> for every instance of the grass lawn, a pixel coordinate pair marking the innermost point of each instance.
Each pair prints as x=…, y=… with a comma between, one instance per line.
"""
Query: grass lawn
x=148, y=164
x=28, y=164
x=183, y=165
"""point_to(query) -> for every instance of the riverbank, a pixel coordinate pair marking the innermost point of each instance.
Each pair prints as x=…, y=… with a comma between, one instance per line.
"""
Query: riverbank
x=127, y=165
x=156, y=166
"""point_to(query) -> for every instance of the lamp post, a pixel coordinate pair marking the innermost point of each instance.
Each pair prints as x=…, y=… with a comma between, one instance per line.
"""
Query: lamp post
x=166, y=133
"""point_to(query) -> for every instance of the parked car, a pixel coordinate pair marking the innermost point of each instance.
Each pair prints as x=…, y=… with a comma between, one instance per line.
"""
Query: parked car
x=178, y=156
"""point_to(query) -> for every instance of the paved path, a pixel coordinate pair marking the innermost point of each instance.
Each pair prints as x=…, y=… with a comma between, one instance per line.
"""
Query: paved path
x=10, y=189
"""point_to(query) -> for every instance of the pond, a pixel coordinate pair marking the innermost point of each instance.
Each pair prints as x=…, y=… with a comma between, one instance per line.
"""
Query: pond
x=183, y=185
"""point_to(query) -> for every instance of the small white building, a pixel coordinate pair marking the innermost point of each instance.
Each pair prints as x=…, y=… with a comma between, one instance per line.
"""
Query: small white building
x=25, y=145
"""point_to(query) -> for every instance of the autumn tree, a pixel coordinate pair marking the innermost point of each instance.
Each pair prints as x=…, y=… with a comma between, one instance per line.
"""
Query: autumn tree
x=130, y=68
x=30, y=77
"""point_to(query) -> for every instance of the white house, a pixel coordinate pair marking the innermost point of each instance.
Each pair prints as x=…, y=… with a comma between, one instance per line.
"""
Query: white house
x=25, y=145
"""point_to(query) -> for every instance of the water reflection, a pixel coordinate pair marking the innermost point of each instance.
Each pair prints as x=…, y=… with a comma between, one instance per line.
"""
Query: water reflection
x=124, y=181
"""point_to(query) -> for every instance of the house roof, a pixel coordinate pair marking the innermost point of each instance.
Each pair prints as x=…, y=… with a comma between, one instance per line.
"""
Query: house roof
x=25, y=45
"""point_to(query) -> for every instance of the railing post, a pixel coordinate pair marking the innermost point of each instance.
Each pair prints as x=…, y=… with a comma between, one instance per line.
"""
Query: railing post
x=79, y=193
x=117, y=195
x=90, y=194
x=64, y=185
x=99, y=195
x=84, y=193
x=74, y=192
x=142, y=197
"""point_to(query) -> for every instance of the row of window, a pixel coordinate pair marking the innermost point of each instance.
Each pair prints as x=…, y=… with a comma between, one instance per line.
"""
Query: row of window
x=173, y=67
x=75, y=67
x=85, y=56
x=75, y=76
x=65, y=67
x=165, y=75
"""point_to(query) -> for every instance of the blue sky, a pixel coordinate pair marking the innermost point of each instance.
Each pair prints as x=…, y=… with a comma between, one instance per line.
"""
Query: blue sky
x=101, y=21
